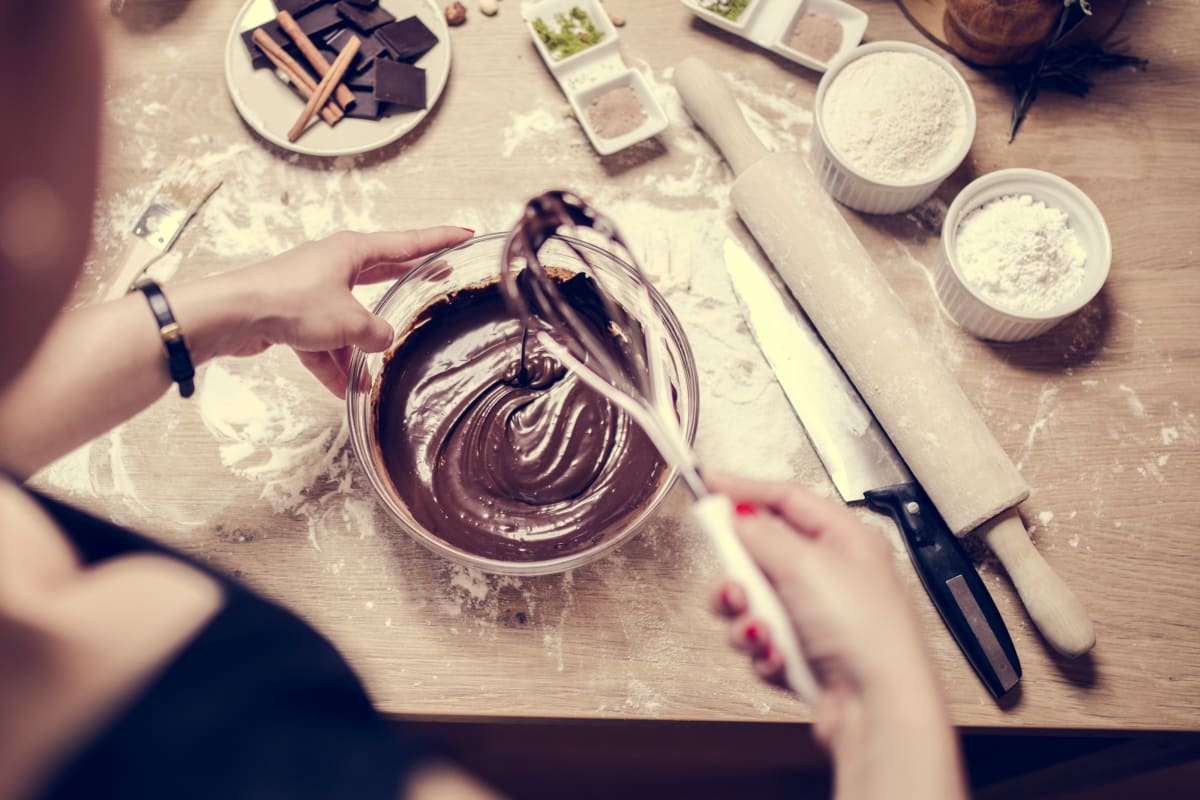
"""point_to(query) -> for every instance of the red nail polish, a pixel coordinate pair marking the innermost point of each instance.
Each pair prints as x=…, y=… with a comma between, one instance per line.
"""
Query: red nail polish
x=468, y=230
x=745, y=509
x=752, y=633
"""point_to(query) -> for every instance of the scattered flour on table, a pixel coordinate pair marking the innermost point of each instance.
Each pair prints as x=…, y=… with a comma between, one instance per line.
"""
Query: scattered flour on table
x=1135, y=403
x=267, y=432
x=1043, y=416
x=533, y=126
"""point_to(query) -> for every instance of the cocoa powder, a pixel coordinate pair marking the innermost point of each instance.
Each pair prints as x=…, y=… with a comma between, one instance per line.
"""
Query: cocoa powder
x=616, y=112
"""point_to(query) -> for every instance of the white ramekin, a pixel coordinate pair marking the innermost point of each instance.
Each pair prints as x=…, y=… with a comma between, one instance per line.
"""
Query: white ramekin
x=982, y=317
x=853, y=188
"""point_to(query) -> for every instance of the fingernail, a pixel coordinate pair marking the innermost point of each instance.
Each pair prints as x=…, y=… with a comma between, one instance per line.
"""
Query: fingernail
x=726, y=600
x=468, y=230
x=745, y=509
x=752, y=633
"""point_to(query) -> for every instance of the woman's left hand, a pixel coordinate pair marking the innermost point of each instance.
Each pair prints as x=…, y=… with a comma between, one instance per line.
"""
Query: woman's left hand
x=302, y=298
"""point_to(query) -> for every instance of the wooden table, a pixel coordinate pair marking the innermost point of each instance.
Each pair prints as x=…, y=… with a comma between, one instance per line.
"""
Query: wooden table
x=1100, y=414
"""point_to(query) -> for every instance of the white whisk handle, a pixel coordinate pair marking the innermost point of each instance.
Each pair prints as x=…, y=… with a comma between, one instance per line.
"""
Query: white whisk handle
x=715, y=515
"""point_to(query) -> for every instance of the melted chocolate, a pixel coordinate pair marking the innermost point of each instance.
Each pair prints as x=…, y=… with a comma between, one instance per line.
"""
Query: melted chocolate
x=502, y=456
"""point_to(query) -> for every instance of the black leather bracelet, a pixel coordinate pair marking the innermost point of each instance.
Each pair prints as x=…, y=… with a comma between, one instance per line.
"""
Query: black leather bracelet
x=179, y=360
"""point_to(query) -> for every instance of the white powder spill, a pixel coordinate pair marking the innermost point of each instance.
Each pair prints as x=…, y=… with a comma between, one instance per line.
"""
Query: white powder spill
x=265, y=433
x=1042, y=417
x=534, y=126
x=1135, y=403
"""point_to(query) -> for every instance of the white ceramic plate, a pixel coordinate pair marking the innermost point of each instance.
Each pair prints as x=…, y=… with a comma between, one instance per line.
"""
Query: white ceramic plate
x=270, y=107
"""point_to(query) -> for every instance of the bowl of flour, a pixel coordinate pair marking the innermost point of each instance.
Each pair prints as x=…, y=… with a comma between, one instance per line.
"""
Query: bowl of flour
x=1021, y=250
x=892, y=120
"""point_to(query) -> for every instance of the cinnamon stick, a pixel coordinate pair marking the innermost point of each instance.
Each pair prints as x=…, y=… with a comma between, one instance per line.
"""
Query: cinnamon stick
x=345, y=97
x=325, y=88
x=295, y=73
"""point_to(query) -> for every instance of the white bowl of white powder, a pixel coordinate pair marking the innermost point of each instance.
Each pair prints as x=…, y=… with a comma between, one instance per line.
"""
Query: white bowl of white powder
x=892, y=120
x=1021, y=250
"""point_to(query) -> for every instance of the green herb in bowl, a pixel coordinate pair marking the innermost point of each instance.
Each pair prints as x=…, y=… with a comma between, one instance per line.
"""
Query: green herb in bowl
x=729, y=9
x=575, y=32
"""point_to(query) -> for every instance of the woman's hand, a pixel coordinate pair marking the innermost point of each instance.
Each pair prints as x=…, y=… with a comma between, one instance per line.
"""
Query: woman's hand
x=303, y=298
x=878, y=696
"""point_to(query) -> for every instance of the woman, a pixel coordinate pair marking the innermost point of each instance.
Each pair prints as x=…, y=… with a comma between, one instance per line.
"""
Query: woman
x=128, y=671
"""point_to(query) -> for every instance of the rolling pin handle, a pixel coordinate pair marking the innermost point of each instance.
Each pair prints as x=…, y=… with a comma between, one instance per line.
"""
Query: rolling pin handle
x=1051, y=604
x=707, y=97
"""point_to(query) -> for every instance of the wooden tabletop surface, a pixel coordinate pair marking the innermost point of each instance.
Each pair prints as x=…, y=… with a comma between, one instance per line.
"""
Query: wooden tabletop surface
x=255, y=476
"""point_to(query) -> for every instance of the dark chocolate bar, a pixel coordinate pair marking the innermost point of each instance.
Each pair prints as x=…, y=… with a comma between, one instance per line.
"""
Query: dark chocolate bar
x=369, y=49
x=296, y=7
x=364, y=3
x=407, y=39
x=366, y=106
x=365, y=19
x=400, y=83
x=328, y=36
x=364, y=80
x=320, y=19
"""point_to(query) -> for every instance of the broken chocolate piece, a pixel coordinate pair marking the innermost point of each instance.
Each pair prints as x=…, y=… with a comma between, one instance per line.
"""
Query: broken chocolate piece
x=333, y=33
x=296, y=7
x=400, y=83
x=370, y=49
x=366, y=106
x=364, y=3
x=364, y=80
x=319, y=20
x=366, y=20
x=408, y=39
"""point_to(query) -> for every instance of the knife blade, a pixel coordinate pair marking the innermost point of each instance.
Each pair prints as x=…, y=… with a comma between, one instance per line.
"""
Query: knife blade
x=865, y=467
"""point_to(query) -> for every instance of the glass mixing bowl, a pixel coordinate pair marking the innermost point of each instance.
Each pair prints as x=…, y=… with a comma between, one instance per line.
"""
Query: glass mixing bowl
x=474, y=263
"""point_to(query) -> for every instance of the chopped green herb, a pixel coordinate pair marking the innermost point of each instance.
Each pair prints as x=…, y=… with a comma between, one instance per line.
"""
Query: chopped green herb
x=575, y=33
x=729, y=9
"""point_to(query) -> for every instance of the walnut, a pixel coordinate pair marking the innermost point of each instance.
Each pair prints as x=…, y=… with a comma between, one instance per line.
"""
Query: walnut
x=456, y=14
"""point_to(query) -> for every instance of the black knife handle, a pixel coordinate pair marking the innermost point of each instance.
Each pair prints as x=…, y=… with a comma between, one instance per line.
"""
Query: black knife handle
x=956, y=589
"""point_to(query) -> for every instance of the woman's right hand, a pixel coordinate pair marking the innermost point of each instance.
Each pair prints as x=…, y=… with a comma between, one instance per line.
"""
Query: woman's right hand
x=858, y=631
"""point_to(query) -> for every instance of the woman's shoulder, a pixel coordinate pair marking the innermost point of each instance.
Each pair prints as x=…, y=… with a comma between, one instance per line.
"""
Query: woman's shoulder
x=79, y=639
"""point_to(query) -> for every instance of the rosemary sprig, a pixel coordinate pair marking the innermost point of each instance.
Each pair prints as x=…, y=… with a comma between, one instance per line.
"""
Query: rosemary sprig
x=1063, y=69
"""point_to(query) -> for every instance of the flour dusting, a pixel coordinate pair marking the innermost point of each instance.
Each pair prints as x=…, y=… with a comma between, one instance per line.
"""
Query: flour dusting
x=281, y=439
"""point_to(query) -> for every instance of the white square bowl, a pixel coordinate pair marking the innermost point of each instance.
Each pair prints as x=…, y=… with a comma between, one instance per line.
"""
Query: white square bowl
x=853, y=22
x=655, y=122
x=547, y=10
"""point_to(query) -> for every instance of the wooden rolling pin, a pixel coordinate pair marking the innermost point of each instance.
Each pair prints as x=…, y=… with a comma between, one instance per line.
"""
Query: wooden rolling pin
x=933, y=425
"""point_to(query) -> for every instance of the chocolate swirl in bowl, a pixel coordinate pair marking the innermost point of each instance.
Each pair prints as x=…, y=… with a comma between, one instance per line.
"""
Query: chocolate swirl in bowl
x=503, y=452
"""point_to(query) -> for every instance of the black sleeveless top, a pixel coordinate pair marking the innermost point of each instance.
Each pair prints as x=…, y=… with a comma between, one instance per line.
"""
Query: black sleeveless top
x=257, y=705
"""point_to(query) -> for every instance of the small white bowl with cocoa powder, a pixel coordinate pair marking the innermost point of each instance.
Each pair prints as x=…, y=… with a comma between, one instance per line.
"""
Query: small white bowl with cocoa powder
x=618, y=112
x=820, y=31
x=613, y=103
